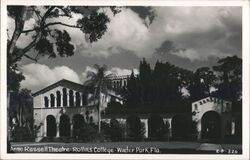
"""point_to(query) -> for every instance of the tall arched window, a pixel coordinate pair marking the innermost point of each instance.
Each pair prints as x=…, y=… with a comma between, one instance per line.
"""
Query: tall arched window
x=58, y=98
x=77, y=99
x=52, y=100
x=71, y=98
x=65, y=99
x=46, y=102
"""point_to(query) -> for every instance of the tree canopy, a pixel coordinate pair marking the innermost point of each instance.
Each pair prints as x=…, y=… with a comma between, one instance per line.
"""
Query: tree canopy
x=47, y=38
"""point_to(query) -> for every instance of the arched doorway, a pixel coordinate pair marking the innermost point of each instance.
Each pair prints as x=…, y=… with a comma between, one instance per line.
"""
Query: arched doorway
x=211, y=125
x=78, y=122
x=156, y=128
x=64, y=126
x=179, y=127
x=51, y=126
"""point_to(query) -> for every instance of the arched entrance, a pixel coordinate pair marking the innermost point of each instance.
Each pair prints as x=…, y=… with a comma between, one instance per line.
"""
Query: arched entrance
x=64, y=126
x=179, y=127
x=78, y=122
x=156, y=128
x=211, y=125
x=51, y=126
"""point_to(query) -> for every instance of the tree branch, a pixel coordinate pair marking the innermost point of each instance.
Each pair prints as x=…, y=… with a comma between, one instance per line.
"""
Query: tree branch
x=33, y=59
x=30, y=30
x=60, y=23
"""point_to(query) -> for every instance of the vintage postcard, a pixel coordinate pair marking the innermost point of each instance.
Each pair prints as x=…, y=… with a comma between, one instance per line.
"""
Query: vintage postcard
x=124, y=79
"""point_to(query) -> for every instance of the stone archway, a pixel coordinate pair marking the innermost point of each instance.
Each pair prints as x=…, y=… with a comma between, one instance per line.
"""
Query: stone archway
x=64, y=126
x=211, y=125
x=78, y=123
x=51, y=126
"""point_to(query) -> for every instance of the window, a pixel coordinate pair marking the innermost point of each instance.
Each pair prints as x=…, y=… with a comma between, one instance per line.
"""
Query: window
x=46, y=102
x=77, y=99
x=58, y=98
x=200, y=102
x=195, y=106
x=71, y=98
x=65, y=99
x=52, y=100
x=84, y=99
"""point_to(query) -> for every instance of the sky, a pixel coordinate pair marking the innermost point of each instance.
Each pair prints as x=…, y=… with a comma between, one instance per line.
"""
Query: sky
x=188, y=37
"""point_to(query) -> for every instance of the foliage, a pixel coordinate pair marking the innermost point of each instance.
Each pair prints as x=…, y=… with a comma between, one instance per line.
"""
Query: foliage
x=21, y=108
x=158, y=87
x=229, y=82
x=89, y=133
x=201, y=82
x=47, y=38
x=135, y=129
x=22, y=134
x=114, y=131
x=157, y=129
x=162, y=86
x=98, y=80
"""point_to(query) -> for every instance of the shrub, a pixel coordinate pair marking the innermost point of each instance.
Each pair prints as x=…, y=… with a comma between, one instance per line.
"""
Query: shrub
x=135, y=129
x=22, y=134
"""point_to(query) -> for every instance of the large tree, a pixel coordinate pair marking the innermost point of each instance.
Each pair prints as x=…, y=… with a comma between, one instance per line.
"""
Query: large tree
x=48, y=38
x=229, y=78
x=99, y=80
x=201, y=82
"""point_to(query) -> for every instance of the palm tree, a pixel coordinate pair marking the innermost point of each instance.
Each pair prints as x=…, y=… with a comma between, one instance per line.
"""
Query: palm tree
x=99, y=81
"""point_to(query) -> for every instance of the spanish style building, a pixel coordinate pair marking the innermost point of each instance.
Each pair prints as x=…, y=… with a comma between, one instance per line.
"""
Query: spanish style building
x=60, y=107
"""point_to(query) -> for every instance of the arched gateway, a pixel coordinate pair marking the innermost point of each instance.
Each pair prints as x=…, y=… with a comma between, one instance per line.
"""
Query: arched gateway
x=211, y=125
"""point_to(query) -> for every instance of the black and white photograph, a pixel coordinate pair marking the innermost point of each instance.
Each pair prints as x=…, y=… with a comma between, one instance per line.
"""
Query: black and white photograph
x=128, y=80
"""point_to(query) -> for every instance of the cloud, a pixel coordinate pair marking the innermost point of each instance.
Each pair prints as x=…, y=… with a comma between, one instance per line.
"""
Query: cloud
x=38, y=76
x=202, y=31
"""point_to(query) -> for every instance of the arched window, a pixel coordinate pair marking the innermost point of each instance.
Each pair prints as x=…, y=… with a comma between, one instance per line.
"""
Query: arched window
x=46, y=102
x=52, y=100
x=84, y=99
x=58, y=98
x=65, y=99
x=71, y=98
x=78, y=99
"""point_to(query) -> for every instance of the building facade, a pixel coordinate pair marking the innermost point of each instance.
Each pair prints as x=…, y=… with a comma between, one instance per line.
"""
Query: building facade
x=60, y=107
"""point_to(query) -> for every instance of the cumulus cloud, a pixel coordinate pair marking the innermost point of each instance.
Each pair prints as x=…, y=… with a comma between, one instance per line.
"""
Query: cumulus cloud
x=38, y=76
x=202, y=31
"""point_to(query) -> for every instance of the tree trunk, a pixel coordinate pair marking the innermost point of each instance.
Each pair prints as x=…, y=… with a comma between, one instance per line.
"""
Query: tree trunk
x=99, y=111
x=19, y=24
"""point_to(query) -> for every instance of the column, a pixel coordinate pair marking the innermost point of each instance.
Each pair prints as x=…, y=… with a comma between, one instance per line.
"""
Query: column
x=55, y=100
x=145, y=121
x=44, y=128
x=80, y=99
x=170, y=126
x=199, y=129
x=61, y=100
x=71, y=129
x=74, y=98
x=57, y=130
x=49, y=105
x=67, y=99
